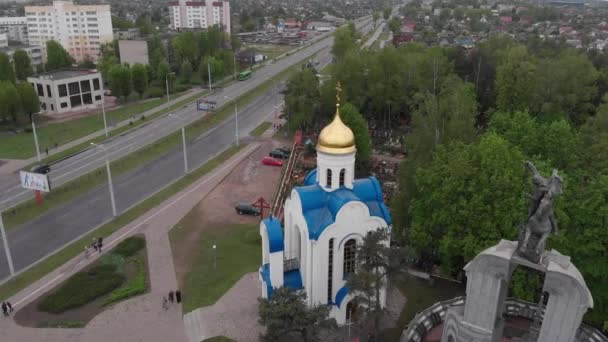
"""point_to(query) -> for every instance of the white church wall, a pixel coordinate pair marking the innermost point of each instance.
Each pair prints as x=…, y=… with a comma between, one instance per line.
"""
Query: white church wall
x=293, y=208
x=265, y=248
x=336, y=163
x=276, y=269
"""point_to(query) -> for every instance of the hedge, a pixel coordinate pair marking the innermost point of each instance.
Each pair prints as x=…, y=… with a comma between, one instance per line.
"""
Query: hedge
x=130, y=246
x=136, y=286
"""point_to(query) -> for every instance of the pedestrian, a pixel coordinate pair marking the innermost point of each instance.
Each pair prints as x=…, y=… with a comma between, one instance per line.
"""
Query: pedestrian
x=99, y=244
x=165, y=303
x=171, y=296
x=9, y=306
x=47, y=151
x=56, y=145
x=4, y=309
x=94, y=244
x=86, y=252
x=178, y=296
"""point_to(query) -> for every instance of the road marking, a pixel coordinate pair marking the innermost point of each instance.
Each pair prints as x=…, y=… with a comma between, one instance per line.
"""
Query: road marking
x=137, y=226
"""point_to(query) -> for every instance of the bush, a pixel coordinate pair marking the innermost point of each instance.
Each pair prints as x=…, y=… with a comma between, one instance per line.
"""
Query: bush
x=130, y=246
x=181, y=87
x=114, y=259
x=82, y=288
x=155, y=92
x=136, y=286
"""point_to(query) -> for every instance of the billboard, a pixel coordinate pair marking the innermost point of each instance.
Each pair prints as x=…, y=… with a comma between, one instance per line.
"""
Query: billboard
x=205, y=105
x=35, y=181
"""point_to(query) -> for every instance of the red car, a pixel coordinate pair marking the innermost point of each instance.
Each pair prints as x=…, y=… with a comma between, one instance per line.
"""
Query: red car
x=271, y=161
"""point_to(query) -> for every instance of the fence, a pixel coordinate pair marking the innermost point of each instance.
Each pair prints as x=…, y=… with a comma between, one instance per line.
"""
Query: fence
x=279, y=198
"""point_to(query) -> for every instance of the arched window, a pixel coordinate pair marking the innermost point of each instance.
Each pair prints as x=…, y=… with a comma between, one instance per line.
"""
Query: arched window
x=342, y=173
x=328, y=178
x=350, y=248
x=330, y=270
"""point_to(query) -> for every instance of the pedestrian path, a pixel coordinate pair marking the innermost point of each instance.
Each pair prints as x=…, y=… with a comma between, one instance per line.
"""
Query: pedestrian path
x=141, y=318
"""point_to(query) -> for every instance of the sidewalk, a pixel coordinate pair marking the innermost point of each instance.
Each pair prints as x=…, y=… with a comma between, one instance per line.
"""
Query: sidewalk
x=15, y=164
x=141, y=318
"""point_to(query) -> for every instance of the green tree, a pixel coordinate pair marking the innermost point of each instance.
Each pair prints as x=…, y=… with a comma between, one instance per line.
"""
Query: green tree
x=286, y=313
x=376, y=262
x=386, y=13
x=344, y=41
x=23, y=65
x=516, y=81
x=375, y=17
x=395, y=25
x=29, y=99
x=357, y=123
x=186, y=71
x=471, y=196
x=57, y=57
x=302, y=100
x=10, y=103
x=6, y=68
x=120, y=23
x=139, y=74
x=120, y=81
x=185, y=47
x=210, y=64
x=593, y=147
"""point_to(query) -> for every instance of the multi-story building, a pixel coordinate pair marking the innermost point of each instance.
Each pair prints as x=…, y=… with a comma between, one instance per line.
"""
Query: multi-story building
x=200, y=14
x=68, y=90
x=80, y=29
x=3, y=40
x=15, y=28
x=32, y=51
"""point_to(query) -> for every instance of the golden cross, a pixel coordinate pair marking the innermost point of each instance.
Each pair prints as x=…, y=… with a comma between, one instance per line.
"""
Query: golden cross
x=338, y=90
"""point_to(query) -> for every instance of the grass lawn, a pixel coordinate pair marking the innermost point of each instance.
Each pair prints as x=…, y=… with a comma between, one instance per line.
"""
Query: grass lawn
x=263, y=127
x=46, y=266
x=29, y=209
x=238, y=252
x=271, y=51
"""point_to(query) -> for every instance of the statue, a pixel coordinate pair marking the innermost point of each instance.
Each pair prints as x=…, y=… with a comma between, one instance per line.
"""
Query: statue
x=541, y=221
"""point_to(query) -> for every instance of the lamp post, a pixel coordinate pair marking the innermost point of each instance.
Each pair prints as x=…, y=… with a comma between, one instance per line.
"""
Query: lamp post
x=236, y=118
x=35, y=136
x=214, y=256
x=103, y=111
x=7, y=251
x=167, y=84
x=110, y=185
x=183, y=141
x=209, y=73
x=276, y=104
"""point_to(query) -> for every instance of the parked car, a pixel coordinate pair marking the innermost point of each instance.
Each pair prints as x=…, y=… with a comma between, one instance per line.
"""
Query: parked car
x=276, y=153
x=247, y=209
x=271, y=161
x=43, y=168
x=284, y=149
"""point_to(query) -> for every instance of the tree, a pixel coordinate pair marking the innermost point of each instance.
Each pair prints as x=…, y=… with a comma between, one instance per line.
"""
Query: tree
x=394, y=25
x=23, y=65
x=186, y=71
x=515, y=81
x=6, y=68
x=139, y=74
x=210, y=64
x=376, y=262
x=302, y=100
x=10, y=103
x=376, y=16
x=355, y=121
x=120, y=23
x=120, y=81
x=386, y=13
x=286, y=313
x=29, y=99
x=57, y=57
x=185, y=48
x=343, y=42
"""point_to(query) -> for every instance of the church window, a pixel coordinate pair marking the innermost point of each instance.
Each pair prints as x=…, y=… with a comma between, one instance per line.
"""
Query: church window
x=328, y=178
x=342, y=172
x=330, y=269
x=350, y=248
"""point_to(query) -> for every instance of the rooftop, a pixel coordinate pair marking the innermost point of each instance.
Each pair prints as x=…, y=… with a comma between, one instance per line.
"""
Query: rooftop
x=66, y=73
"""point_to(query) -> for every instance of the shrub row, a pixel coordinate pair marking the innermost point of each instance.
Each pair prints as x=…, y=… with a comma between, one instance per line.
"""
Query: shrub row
x=136, y=286
x=130, y=246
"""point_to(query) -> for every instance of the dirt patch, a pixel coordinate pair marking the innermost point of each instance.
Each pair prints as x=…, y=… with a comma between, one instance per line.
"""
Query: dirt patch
x=30, y=316
x=248, y=181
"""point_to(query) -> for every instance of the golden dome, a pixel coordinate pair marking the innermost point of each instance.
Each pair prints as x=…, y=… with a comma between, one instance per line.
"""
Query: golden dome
x=336, y=138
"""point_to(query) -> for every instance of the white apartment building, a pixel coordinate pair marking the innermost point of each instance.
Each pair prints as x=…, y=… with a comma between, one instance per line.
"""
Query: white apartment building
x=80, y=29
x=68, y=90
x=3, y=40
x=15, y=28
x=200, y=14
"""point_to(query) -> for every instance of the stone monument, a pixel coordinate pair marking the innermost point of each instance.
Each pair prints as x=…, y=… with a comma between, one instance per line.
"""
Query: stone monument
x=489, y=273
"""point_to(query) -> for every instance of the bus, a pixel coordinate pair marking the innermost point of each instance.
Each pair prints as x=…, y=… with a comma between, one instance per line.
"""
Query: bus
x=245, y=75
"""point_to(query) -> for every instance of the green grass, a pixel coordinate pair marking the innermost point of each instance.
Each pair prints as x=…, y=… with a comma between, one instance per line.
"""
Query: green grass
x=130, y=246
x=49, y=264
x=29, y=209
x=133, y=287
x=218, y=339
x=82, y=288
x=263, y=127
x=62, y=324
x=238, y=252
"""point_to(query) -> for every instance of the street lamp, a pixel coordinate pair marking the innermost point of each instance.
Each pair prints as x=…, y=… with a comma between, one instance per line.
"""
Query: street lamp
x=35, y=136
x=103, y=111
x=7, y=251
x=276, y=104
x=236, y=118
x=183, y=140
x=214, y=256
x=167, y=84
x=110, y=185
x=209, y=72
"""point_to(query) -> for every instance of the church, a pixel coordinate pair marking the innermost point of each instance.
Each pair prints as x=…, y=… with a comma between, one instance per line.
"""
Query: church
x=325, y=220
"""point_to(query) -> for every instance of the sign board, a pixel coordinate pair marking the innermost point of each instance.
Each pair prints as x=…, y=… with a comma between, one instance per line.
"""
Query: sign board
x=35, y=181
x=205, y=105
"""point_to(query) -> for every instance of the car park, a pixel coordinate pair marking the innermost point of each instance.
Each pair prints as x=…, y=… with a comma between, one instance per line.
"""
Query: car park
x=277, y=153
x=247, y=209
x=271, y=161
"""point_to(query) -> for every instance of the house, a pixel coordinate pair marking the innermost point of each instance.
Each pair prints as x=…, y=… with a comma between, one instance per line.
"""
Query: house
x=506, y=20
x=402, y=38
x=250, y=56
x=325, y=220
x=292, y=23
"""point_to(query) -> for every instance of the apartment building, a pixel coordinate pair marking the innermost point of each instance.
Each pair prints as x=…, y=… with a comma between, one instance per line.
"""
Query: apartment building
x=80, y=29
x=200, y=14
x=15, y=28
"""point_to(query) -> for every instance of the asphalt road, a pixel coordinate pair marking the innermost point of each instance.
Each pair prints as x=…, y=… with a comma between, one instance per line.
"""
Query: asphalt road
x=11, y=193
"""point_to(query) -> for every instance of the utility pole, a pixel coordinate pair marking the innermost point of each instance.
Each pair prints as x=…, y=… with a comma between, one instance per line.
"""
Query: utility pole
x=7, y=251
x=183, y=142
x=103, y=111
x=35, y=136
x=209, y=73
x=236, y=118
x=110, y=185
x=167, y=85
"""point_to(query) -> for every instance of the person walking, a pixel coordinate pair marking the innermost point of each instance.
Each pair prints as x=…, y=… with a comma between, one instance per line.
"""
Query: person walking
x=94, y=244
x=4, y=309
x=171, y=296
x=178, y=296
x=9, y=307
x=165, y=303
x=99, y=244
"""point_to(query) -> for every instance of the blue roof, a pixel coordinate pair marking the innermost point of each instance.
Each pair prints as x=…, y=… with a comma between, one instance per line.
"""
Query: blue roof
x=275, y=234
x=311, y=177
x=340, y=295
x=320, y=207
x=293, y=280
x=265, y=272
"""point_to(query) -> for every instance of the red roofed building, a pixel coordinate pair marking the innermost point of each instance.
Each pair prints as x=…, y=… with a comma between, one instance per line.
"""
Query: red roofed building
x=506, y=19
x=408, y=26
x=565, y=29
x=199, y=14
x=291, y=23
x=402, y=38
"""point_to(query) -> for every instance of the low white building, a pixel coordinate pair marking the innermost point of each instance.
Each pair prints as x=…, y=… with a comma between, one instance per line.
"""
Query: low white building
x=325, y=220
x=68, y=90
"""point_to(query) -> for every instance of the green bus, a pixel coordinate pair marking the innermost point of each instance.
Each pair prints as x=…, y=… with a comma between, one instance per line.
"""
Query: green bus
x=245, y=75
